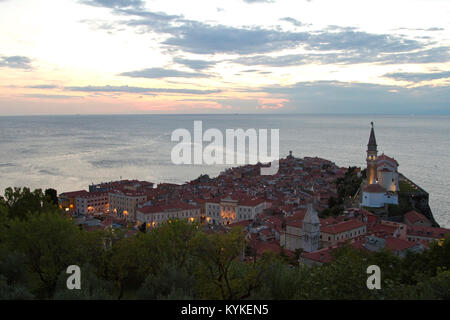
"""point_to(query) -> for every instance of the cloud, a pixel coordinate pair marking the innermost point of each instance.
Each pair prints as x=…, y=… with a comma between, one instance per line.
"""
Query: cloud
x=197, y=65
x=417, y=77
x=330, y=45
x=295, y=22
x=50, y=96
x=15, y=62
x=422, y=29
x=349, y=39
x=342, y=44
x=259, y=1
x=115, y=3
x=159, y=73
x=127, y=89
x=202, y=38
x=43, y=86
x=277, y=61
x=353, y=98
x=150, y=17
x=433, y=55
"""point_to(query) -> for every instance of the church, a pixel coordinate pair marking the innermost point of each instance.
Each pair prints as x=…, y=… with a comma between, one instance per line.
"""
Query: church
x=381, y=186
x=302, y=231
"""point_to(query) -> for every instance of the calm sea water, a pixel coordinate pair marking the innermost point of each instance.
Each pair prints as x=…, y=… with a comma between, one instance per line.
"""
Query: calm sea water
x=70, y=152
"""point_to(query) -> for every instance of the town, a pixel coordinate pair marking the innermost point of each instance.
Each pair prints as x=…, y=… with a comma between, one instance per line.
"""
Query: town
x=310, y=207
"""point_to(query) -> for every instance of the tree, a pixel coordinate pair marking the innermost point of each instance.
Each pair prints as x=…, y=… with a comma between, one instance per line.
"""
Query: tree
x=51, y=196
x=50, y=244
x=170, y=282
x=92, y=287
x=13, y=292
x=279, y=280
x=221, y=275
x=22, y=202
x=4, y=221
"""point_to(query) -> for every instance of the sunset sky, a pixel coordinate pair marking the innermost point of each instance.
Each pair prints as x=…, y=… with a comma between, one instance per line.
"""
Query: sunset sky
x=230, y=56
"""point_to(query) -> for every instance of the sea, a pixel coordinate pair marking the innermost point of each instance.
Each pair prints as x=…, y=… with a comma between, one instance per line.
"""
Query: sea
x=69, y=152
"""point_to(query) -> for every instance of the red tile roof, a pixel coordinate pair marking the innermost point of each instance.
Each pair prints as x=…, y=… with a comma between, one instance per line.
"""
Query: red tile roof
x=427, y=232
x=414, y=216
x=385, y=157
x=166, y=207
x=396, y=244
x=322, y=255
x=74, y=194
x=296, y=220
x=262, y=246
x=374, y=188
x=343, y=227
x=242, y=223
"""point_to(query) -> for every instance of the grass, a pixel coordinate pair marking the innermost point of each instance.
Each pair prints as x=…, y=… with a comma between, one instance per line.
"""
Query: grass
x=406, y=187
x=399, y=210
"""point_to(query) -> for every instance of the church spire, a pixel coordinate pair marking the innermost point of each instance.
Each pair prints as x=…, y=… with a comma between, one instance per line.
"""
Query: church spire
x=372, y=157
x=372, y=145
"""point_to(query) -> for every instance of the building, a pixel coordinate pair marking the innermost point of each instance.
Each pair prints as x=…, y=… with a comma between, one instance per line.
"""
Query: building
x=67, y=200
x=153, y=215
x=291, y=238
x=398, y=247
x=382, y=177
x=428, y=234
x=371, y=159
x=342, y=231
x=91, y=203
x=108, y=186
x=302, y=231
x=123, y=202
x=413, y=218
x=310, y=230
x=232, y=209
x=375, y=196
x=387, y=173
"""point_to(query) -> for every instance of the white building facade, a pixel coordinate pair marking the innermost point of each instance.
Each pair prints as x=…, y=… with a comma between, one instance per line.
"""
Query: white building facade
x=228, y=210
x=153, y=215
x=91, y=203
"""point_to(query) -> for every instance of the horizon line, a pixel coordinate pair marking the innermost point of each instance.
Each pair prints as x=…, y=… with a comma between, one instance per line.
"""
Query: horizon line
x=224, y=114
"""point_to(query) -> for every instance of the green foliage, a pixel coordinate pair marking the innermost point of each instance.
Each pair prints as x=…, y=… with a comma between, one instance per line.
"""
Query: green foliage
x=92, y=287
x=50, y=244
x=405, y=187
x=4, y=221
x=221, y=274
x=170, y=283
x=22, y=202
x=403, y=206
x=13, y=292
x=346, y=186
x=51, y=196
x=279, y=280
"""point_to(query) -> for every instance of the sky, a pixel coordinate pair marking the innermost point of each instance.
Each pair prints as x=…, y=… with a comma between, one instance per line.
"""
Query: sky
x=224, y=56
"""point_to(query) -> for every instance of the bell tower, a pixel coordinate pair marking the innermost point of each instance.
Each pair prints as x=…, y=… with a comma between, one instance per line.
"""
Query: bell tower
x=311, y=230
x=372, y=158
